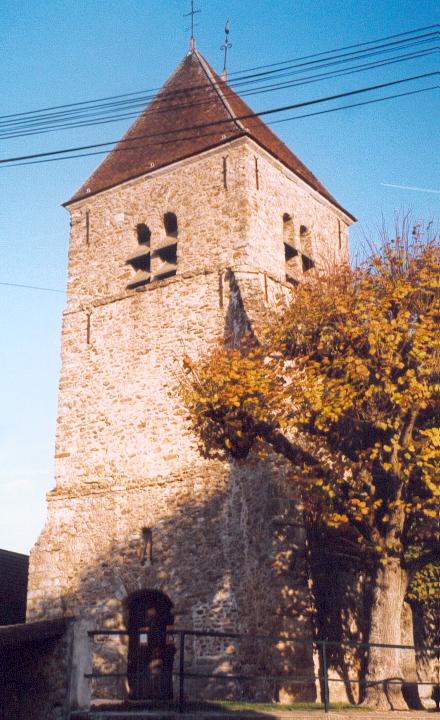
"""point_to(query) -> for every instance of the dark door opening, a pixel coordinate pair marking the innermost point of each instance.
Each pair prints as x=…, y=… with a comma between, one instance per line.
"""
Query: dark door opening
x=150, y=650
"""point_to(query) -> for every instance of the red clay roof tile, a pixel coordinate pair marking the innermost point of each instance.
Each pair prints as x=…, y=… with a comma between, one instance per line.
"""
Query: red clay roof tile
x=193, y=112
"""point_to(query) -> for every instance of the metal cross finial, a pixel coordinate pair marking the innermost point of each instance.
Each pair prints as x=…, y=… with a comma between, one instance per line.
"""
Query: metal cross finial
x=225, y=47
x=192, y=13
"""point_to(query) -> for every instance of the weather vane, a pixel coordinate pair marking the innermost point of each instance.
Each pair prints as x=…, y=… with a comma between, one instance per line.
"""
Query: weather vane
x=225, y=47
x=192, y=13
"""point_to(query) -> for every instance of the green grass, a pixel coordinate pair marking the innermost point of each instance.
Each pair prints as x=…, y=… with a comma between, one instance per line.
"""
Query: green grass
x=226, y=706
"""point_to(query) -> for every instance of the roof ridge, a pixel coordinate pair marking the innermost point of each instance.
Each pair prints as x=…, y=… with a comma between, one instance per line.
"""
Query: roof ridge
x=209, y=72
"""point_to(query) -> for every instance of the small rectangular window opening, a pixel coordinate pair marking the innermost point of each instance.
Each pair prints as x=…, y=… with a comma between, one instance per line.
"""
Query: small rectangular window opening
x=340, y=235
x=257, y=174
x=289, y=252
x=292, y=270
x=142, y=265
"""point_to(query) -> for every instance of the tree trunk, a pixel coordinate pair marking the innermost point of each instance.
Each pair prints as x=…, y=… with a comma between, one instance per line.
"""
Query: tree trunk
x=383, y=689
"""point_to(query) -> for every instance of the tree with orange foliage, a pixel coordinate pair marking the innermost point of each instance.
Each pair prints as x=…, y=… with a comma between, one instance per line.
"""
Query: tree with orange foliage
x=344, y=384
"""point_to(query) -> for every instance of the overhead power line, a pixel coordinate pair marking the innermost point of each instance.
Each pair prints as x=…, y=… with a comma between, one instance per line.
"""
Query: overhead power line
x=273, y=122
x=214, y=123
x=78, y=106
x=52, y=119
x=108, y=115
x=353, y=105
x=32, y=287
x=296, y=117
x=436, y=26
x=344, y=57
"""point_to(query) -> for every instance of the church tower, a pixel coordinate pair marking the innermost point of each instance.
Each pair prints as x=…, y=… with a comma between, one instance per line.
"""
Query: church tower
x=198, y=220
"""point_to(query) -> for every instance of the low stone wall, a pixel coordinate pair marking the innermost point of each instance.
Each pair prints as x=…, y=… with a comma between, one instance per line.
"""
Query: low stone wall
x=39, y=670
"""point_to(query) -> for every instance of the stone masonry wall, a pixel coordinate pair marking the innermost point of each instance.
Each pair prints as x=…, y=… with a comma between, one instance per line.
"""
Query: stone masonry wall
x=279, y=191
x=228, y=539
x=34, y=680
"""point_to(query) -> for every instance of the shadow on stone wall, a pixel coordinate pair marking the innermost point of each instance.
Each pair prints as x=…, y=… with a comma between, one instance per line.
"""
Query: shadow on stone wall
x=229, y=550
x=426, y=634
x=235, y=561
x=231, y=560
x=342, y=604
x=34, y=679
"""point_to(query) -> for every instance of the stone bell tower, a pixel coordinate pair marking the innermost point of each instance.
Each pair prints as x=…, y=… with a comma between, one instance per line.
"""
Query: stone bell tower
x=198, y=220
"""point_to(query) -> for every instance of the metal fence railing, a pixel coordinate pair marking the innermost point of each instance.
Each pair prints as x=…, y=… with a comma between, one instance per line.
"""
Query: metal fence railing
x=156, y=681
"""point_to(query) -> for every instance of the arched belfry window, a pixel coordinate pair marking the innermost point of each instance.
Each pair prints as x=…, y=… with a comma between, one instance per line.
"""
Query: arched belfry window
x=143, y=234
x=291, y=254
x=141, y=262
x=170, y=224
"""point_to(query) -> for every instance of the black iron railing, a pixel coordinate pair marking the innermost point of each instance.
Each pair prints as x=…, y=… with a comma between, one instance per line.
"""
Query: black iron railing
x=325, y=648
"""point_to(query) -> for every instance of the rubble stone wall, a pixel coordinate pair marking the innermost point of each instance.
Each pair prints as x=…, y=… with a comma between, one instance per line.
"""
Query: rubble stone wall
x=228, y=540
x=34, y=680
x=277, y=192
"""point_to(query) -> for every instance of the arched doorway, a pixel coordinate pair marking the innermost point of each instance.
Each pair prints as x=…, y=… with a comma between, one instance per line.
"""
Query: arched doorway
x=150, y=650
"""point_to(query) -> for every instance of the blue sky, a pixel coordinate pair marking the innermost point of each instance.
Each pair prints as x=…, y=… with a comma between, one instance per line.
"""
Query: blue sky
x=56, y=52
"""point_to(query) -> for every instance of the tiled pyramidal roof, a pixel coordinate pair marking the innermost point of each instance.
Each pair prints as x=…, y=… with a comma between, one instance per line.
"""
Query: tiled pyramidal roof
x=194, y=111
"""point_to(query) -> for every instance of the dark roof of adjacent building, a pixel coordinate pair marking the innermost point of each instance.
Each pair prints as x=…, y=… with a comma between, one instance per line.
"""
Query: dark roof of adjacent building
x=193, y=112
x=13, y=636
x=13, y=587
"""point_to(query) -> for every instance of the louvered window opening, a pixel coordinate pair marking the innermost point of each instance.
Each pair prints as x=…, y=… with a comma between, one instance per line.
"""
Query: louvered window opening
x=297, y=253
x=155, y=261
x=141, y=262
x=306, y=249
x=166, y=253
x=291, y=254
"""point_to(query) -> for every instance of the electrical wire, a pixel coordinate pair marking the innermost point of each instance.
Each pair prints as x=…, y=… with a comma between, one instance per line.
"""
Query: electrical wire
x=273, y=122
x=353, y=105
x=214, y=123
x=32, y=287
x=368, y=52
x=40, y=129
x=436, y=26
x=163, y=97
x=5, y=121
